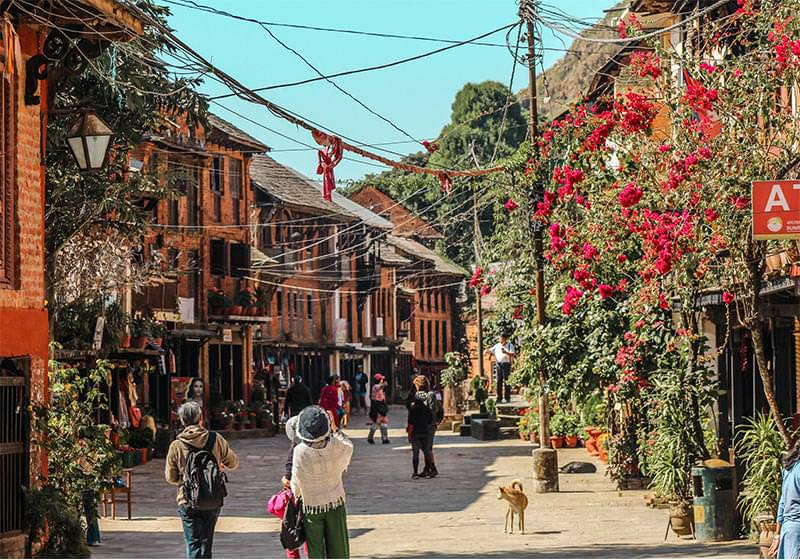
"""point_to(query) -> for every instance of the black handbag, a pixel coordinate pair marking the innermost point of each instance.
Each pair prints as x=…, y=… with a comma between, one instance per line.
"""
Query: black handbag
x=293, y=533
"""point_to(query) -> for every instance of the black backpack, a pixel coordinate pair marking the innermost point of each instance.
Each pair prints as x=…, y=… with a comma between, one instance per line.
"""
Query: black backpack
x=203, y=481
x=293, y=533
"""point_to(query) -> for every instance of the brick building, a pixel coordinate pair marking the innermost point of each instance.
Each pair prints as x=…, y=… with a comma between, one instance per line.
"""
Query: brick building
x=406, y=223
x=24, y=332
x=204, y=236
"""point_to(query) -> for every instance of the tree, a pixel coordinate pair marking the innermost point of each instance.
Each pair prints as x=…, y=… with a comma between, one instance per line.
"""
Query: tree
x=487, y=122
x=95, y=221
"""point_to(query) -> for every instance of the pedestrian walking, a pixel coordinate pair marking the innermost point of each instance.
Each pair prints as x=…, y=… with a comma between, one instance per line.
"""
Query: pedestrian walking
x=346, y=397
x=329, y=398
x=378, y=410
x=360, y=382
x=291, y=434
x=319, y=460
x=504, y=353
x=786, y=543
x=419, y=421
x=198, y=454
x=431, y=402
x=298, y=396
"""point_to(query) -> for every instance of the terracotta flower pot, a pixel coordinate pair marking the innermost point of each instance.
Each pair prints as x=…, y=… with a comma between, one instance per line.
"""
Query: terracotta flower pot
x=571, y=441
x=765, y=536
x=143, y=456
x=556, y=442
x=139, y=342
x=534, y=436
x=125, y=341
x=158, y=340
x=236, y=310
x=681, y=517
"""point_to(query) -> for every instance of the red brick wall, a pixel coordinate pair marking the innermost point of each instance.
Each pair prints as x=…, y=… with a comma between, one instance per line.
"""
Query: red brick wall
x=434, y=307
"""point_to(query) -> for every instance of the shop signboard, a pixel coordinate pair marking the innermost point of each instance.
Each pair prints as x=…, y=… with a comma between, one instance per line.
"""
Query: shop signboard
x=776, y=209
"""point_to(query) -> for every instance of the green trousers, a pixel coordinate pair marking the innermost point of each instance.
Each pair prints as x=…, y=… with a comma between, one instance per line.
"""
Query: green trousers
x=326, y=534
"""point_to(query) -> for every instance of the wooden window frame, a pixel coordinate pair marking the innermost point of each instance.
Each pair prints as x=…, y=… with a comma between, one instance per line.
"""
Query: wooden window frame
x=9, y=235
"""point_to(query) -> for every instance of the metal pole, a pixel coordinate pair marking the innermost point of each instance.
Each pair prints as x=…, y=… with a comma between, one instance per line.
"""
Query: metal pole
x=476, y=228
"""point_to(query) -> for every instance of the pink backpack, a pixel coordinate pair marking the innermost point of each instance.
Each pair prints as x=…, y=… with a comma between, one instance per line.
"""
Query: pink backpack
x=276, y=505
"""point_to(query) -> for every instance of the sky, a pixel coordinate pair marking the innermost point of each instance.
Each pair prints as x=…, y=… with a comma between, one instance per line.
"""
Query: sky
x=415, y=96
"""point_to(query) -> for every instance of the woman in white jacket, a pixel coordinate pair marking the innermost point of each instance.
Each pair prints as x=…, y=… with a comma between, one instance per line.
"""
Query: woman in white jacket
x=319, y=461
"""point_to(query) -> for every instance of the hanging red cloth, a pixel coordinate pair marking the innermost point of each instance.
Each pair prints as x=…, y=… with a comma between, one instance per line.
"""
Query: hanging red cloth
x=328, y=158
x=447, y=184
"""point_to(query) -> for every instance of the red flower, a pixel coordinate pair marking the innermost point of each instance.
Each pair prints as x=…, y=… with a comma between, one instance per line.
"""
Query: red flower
x=589, y=251
x=706, y=67
x=646, y=63
x=630, y=195
x=637, y=113
x=727, y=298
x=476, y=279
x=621, y=258
x=511, y=205
x=571, y=300
x=711, y=215
x=517, y=312
x=486, y=290
x=605, y=291
x=430, y=146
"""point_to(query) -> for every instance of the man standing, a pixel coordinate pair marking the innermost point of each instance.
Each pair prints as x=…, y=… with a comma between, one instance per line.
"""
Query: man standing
x=503, y=355
x=297, y=397
x=198, y=523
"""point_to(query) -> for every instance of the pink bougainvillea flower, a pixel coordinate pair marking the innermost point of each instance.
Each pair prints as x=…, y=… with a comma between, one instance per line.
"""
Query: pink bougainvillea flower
x=605, y=291
x=571, y=299
x=517, y=314
x=511, y=205
x=486, y=290
x=630, y=195
x=637, y=113
x=708, y=67
x=728, y=298
x=711, y=215
x=476, y=279
x=621, y=258
x=647, y=63
x=664, y=148
x=589, y=251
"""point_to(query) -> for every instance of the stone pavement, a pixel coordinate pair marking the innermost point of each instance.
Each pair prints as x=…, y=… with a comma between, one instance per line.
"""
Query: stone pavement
x=391, y=515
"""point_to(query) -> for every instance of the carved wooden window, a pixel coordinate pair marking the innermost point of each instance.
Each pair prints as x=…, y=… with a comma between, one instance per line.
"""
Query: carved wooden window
x=8, y=180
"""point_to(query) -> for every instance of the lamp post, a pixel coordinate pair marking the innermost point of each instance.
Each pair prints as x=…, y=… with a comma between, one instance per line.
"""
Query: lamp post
x=88, y=140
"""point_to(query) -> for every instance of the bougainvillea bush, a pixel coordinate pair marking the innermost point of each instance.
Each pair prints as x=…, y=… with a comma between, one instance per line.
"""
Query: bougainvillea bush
x=643, y=200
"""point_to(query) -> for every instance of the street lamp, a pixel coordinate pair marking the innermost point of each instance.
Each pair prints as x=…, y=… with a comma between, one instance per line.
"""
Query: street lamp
x=88, y=140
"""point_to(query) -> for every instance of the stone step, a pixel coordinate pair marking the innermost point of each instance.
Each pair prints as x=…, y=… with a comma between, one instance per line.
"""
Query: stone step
x=509, y=420
x=507, y=432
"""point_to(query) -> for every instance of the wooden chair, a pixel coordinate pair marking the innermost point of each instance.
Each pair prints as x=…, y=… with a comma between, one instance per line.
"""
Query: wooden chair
x=110, y=496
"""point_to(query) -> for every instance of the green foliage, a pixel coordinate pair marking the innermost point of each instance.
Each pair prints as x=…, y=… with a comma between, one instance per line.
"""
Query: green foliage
x=477, y=388
x=760, y=447
x=50, y=519
x=141, y=438
x=80, y=455
x=456, y=371
x=491, y=406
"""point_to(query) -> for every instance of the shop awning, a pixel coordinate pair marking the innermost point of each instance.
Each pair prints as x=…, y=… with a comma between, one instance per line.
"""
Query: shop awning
x=193, y=333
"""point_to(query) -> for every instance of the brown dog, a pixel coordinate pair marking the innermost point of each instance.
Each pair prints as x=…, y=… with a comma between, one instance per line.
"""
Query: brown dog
x=517, y=502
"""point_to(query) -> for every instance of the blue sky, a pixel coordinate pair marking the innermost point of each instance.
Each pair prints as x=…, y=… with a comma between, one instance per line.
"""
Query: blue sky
x=416, y=96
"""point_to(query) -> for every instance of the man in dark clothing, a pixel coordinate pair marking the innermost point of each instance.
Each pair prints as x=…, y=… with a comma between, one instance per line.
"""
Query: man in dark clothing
x=298, y=397
x=419, y=420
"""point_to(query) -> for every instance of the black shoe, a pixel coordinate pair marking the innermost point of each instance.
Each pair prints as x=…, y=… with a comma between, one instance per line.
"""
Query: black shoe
x=371, y=441
x=416, y=476
x=386, y=441
x=432, y=473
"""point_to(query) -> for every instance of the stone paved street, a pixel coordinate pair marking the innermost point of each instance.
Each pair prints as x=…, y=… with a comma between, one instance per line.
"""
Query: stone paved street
x=391, y=515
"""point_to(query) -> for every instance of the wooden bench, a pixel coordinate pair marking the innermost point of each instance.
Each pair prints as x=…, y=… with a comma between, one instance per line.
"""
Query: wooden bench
x=110, y=496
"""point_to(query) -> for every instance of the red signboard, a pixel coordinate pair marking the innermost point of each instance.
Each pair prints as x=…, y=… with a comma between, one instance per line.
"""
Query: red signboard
x=776, y=209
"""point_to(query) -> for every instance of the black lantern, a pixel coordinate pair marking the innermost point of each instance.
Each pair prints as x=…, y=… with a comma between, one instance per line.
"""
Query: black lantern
x=88, y=140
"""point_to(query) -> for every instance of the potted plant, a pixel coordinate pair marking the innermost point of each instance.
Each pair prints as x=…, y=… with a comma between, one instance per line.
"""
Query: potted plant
x=477, y=388
x=158, y=330
x=245, y=299
x=139, y=332
x=264, y=419
x=760, y=448
x=217, y=302
x=571, y=430
x=523, y=426
x=491, y=407
x=558, y=428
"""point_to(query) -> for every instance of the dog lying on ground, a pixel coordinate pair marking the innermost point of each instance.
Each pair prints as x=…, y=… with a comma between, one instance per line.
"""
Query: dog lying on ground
x=578, y=467
x=517, y=502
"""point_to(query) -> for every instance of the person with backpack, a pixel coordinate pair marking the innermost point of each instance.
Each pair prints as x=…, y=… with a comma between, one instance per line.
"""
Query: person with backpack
x=318, y=463
x=434, y=406
x=419, y=420
x=195, y=464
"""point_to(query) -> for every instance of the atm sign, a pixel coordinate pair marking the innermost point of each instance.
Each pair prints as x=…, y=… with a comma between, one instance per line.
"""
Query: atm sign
x=776, y=209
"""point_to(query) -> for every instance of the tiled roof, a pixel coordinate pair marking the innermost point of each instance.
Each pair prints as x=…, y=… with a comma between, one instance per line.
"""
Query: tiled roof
x=391, y=256
x=440, y=263
x=366, y=215
x=289, y=186
x=234, y=134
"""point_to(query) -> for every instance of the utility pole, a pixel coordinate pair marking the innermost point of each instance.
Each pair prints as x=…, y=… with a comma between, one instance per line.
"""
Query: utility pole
x=545, y=460
x=476, y=245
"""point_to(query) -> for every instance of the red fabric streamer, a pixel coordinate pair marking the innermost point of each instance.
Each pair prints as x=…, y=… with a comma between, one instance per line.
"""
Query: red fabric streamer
x=328, y=158
x=447, y=184
x=430, y=146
